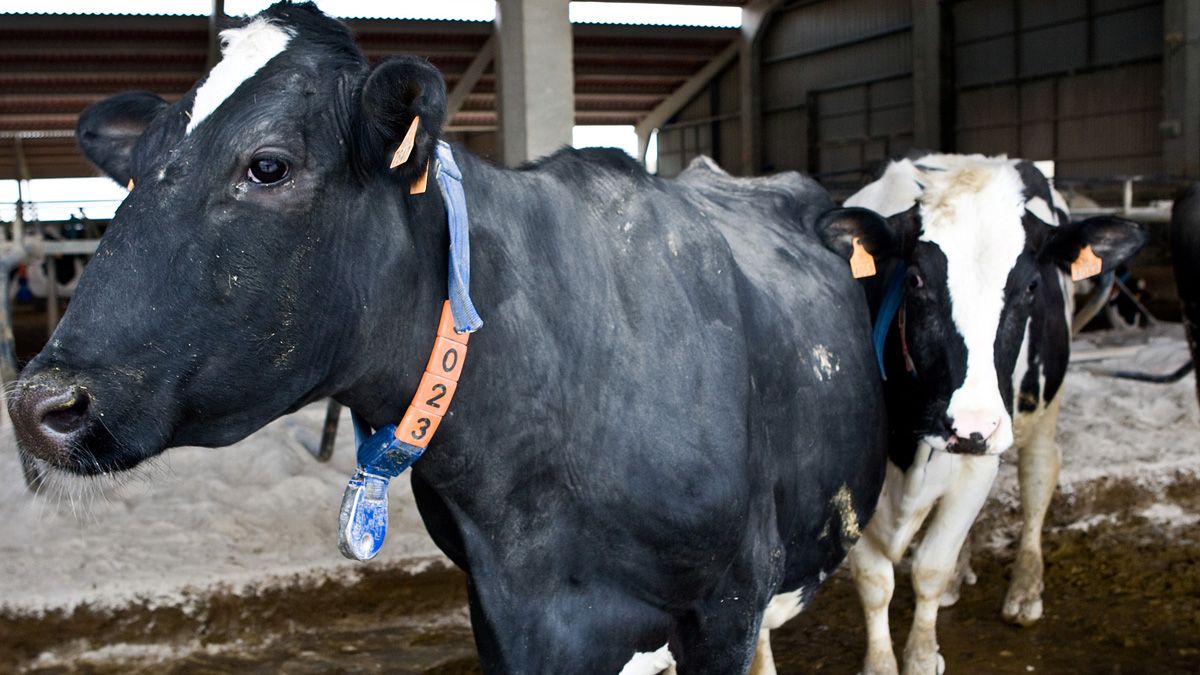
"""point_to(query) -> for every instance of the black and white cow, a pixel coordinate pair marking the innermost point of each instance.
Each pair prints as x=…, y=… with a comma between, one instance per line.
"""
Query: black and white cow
x=978, y=249
x=1185, y=252
x=670, y=417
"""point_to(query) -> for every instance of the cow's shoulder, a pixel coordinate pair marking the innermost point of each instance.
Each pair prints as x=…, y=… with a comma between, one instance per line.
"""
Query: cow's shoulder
x=789, y=196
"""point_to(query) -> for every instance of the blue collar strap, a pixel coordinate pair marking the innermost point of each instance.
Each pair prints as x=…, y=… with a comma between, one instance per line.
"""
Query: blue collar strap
x=893, y=297
x=387, y=452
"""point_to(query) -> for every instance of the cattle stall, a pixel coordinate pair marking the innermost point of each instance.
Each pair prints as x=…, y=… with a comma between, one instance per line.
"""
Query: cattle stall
x=207, y=560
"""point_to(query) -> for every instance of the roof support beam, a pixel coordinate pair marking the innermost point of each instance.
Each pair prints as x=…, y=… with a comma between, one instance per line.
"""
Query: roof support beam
x=470, y=77
x=756, y=16
x=536, y=78
x=215, y=19
x=682, y=96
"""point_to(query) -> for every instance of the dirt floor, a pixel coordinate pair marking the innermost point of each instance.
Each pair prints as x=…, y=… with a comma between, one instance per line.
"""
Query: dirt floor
x=1123, y=596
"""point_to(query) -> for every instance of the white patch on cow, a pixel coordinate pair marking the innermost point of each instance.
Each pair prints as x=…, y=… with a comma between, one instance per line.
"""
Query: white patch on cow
x=244, y=51
x=972, y=211
x=783, y=608
x=1038, y=207
x=825, y=364
x=895, y=192
x=649, y=663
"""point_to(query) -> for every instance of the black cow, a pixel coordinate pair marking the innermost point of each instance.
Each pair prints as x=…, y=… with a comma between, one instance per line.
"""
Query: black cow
x=1185, y=252
x=670, y=416
x=975, y=256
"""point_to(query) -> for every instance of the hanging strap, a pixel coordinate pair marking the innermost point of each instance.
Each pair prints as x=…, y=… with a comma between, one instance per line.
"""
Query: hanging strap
x=893, y=296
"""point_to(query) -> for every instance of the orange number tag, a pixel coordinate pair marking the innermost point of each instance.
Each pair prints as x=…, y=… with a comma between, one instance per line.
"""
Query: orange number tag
x=1088, y=264
x=862, y=264
x=416, y=428
x=447, y=359
x=434, y=394
x=446, y=326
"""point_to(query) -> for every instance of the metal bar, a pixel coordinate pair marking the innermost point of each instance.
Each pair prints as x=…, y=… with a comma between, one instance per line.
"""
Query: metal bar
x=850, y=84
x=1073, y=72
x=470, y=77
x=700, y=121
x=841, y=44
x=215, y=19
x=70, y=247
x=670, y=106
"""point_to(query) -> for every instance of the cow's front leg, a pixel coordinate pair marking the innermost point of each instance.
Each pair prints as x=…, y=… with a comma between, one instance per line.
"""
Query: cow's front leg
x=963, y=574
x=874, y=577
x=1037, y=472
x=934, y=562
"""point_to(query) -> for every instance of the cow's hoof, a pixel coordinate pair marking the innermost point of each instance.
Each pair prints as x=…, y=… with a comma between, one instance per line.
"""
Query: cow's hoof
x=925, y=664
x=880, y=664
x=1023, y=609
x=1023, y=603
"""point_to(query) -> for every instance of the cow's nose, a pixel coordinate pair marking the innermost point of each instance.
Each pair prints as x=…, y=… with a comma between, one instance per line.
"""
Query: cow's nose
x=972, y=429
x=48, y=417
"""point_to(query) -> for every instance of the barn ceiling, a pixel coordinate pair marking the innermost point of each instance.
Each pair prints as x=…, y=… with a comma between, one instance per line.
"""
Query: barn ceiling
x=52, y=66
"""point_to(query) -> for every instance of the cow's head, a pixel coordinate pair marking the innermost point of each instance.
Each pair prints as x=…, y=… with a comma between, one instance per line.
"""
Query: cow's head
x=982, y=239
x=244, y=259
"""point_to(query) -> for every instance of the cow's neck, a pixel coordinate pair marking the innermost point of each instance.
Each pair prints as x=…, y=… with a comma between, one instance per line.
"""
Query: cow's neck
x=900, y=388
x=396, y=335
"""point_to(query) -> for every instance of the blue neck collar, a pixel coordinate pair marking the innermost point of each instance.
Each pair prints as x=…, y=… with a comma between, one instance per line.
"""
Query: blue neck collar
x=893, y=297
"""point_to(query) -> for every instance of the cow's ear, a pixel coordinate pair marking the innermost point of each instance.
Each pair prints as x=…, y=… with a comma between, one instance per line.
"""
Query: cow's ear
x=398, y=91
x=852, y=232
x=107, y=130
x=1094, y=245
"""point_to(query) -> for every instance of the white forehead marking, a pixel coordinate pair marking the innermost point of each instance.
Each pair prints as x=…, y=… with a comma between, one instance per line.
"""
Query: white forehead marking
x=244, y=51
x=972, y=211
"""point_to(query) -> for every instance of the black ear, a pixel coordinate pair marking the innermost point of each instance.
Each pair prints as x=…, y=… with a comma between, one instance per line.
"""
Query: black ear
x=397, y=90
x=1113, y=240
x=882, y=237
x=107, y=130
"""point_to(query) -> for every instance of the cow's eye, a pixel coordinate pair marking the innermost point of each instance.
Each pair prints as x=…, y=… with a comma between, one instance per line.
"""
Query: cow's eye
x=1033, y=285
x=267, y=170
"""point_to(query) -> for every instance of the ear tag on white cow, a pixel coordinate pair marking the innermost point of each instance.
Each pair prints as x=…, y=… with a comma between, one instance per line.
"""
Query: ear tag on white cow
x=406, y=146
x=362, y=521
x=862, y=264
x=1088, y=264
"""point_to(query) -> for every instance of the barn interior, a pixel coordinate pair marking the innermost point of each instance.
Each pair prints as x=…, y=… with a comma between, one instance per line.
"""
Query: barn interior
x=1104, y=94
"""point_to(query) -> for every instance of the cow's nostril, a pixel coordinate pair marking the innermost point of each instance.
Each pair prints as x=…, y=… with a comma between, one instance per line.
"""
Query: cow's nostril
x=68, y=415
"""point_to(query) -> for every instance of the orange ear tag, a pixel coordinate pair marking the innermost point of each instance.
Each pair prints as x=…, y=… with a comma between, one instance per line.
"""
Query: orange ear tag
x=1088, y=264
x=418, y=186
x=862, y=264
x=130, y=186
x=406, y=146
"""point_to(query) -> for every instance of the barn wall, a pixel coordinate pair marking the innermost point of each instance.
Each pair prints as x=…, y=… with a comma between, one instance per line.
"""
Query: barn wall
x=1079, y=81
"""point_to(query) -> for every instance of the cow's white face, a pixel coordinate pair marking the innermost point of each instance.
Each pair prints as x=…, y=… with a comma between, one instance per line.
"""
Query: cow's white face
x=973, y=216
x=983, y=247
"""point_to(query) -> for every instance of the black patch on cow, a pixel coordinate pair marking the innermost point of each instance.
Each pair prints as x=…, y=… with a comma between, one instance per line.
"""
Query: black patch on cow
x=917, y=405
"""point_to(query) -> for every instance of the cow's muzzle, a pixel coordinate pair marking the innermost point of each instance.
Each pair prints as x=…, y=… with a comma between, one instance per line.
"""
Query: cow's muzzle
x=51, y=419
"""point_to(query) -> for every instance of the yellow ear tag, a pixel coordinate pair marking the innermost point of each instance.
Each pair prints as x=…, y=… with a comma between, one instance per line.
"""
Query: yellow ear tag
x=406, y=146
x=1088, y=264
x=418, y=185
x=862, y=264
x=130, y=186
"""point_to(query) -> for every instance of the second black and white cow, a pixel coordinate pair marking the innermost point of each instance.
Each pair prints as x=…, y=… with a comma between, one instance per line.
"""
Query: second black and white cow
x=670, y=417
x=975, y=256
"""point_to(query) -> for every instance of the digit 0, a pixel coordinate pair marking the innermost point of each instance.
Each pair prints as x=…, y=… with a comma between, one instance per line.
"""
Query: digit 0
x=449, y=360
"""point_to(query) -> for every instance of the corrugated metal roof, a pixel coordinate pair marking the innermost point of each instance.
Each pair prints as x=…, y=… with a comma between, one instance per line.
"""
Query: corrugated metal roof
x=51, y=67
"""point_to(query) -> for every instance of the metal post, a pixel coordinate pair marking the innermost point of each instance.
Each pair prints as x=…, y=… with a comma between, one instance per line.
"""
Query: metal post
x=927, y=76
x=1180, y=128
